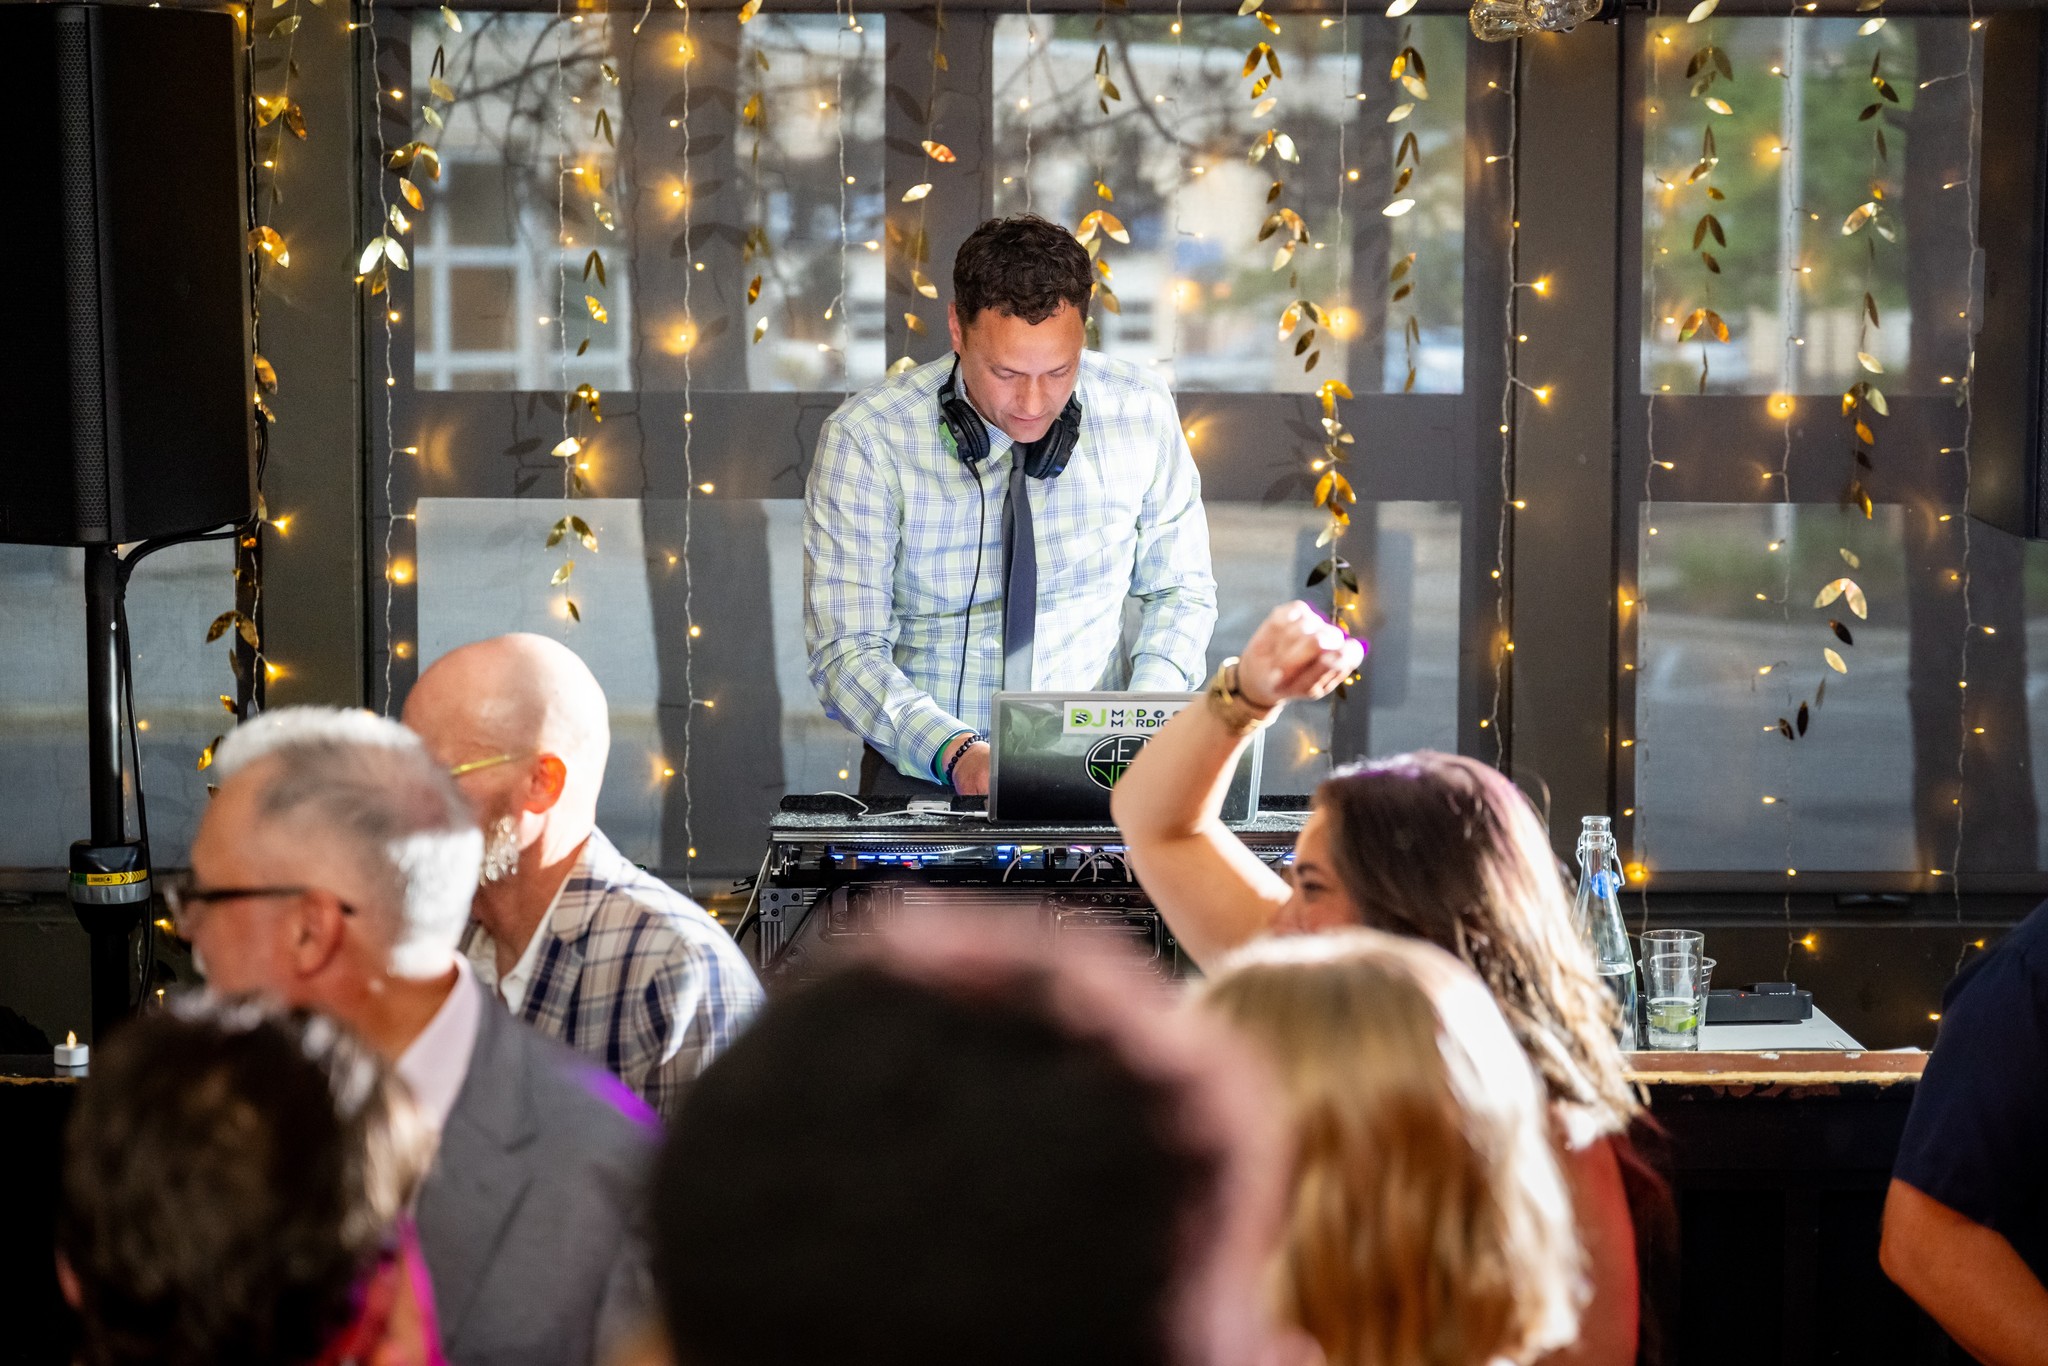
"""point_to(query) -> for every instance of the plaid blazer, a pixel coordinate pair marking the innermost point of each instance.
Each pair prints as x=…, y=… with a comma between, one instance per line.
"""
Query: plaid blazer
x=633, y=974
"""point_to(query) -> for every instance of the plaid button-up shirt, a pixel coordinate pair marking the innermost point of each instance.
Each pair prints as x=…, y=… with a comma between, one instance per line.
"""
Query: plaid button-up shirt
x=633, y=974
x=894, y=530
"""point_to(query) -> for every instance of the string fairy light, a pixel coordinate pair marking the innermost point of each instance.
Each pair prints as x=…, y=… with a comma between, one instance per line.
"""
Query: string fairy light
x=1510, y=337
x=1964, y=730
x=690, y=632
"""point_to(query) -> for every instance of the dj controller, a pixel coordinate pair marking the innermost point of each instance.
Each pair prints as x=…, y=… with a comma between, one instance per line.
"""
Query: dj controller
x=839, y=872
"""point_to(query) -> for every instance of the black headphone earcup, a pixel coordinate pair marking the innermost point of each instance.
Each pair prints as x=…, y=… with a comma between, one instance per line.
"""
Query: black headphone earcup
x=970, y=435
x=1052, y=451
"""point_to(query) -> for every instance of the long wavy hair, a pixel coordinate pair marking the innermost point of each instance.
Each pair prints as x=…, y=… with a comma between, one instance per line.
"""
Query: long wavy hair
x=1447, y=850
x=1429, y=1223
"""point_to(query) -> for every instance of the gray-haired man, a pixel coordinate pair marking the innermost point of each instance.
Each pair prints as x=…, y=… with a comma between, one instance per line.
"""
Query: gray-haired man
x=334, y=870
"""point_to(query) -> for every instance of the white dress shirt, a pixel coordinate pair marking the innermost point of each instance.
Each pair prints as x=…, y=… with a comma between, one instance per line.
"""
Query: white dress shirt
x=482, y=951
x=436, y=1062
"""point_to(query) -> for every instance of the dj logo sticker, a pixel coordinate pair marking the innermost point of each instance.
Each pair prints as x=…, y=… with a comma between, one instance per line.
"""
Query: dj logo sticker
x=1106, y=718
x=1111, y=755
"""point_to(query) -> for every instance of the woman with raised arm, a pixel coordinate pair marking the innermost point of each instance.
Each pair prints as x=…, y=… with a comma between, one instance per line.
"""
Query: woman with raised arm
x=1435, y=846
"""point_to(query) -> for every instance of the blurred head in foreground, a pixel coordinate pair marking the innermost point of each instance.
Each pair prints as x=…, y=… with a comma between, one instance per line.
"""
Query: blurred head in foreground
x=959, y=1152
x=1429, y=1224
x=234, y=1186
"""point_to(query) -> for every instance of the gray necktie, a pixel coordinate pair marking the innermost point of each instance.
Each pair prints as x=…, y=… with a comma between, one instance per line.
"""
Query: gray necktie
x=1020, y=580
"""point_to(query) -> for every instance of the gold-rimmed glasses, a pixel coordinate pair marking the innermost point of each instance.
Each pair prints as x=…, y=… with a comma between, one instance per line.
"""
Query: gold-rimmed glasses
x=479, y=765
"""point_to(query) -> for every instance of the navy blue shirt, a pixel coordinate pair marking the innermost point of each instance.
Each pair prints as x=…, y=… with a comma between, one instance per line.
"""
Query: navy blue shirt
x=1977, y=1138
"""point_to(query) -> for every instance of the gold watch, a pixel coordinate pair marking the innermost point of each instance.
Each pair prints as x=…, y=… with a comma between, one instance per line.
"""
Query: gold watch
x=1229, y=705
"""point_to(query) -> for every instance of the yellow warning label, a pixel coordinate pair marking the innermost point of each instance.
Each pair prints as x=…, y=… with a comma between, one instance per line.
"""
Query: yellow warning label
x=128, y=879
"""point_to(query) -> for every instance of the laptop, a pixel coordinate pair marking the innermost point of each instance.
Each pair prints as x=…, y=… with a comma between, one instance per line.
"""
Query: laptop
x=1055, y=755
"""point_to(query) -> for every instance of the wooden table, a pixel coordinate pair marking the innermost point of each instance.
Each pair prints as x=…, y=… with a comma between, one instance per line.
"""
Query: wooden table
x=1778, y=1164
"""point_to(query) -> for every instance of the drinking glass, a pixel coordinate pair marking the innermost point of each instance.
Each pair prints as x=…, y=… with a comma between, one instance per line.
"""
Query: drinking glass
x=1675, y=984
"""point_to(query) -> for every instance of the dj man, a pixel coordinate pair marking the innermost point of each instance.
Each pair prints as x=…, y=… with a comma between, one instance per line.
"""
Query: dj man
x=975, y=525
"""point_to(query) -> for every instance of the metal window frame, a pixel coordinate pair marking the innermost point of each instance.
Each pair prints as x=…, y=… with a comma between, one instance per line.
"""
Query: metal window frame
x=323, y=610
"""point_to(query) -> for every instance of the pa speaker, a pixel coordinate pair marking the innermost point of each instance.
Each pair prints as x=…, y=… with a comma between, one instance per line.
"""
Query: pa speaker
x=124, y=346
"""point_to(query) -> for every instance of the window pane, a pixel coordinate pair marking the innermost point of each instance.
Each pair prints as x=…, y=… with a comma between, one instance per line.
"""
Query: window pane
x=763, y=732
x=1199, y=296
x=1822, y=234
x=178, y=682
x=1729, y=644
x=564, y=142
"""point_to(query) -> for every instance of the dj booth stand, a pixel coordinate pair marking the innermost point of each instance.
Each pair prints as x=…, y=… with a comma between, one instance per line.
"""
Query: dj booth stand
x=839, y=871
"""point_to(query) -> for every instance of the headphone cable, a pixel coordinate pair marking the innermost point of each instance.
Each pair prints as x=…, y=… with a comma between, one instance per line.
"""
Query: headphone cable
x=967, y=617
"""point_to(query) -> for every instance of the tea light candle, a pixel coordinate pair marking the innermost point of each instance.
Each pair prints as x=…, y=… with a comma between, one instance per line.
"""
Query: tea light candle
x=72, y=1053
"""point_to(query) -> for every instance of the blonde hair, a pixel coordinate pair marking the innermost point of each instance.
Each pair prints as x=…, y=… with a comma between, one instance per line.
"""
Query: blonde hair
x=1446, y=849
x=1428, y=1223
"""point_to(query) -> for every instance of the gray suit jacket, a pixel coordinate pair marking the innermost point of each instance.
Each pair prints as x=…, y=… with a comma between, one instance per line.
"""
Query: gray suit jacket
x=531, y=1219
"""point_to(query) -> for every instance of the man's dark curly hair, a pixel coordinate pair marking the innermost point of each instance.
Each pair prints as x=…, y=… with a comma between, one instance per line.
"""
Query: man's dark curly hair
x=1023, y=266
x=231, y=1175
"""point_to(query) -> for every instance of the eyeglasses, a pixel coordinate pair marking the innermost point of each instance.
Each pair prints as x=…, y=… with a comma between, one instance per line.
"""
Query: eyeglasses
x=479, y=765
x=188, y=905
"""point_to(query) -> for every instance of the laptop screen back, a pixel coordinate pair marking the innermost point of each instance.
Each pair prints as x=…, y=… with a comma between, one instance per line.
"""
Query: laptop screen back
x=1055, y=756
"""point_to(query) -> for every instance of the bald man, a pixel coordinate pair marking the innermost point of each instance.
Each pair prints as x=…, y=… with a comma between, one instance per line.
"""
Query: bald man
x=574, y=939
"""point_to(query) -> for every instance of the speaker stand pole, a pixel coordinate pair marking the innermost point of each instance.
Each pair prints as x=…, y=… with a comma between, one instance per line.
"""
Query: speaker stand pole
x=110, y=885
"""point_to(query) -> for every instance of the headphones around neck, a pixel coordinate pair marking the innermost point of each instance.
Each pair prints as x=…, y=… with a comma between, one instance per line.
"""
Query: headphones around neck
x=1043, y=458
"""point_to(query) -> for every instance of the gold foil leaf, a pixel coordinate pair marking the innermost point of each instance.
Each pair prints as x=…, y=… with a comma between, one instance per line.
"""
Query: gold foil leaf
x=206, y=755
x=584, y=533
x=1283, y=145
x=1103, y=192
x=432, y=116
x=1702, y=10
x=1398, y=208
x=938, y=151
x=450, y=18
x=753, y=289
x=1841, y=632
x=411, y=193
x=913, y=322
x=1399, y=112
x=1851, y=558
x=268, y=107
x=1834, y=661
x=568, y=448
x=561, y=576
x=1399, y=8
x=1869, y=362
x=267, y=241
x=594, y=263
x=1869, y=26
x=399, y=221
x=923, y=285
x=749, y=10
x=574, y=614
x=901, y=365
x=440, y=89
x=597, y=309
x=917, y=192
x=266, y=375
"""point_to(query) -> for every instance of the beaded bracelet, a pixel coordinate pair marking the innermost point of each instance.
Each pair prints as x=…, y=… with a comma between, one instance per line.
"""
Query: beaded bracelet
x=974, y=738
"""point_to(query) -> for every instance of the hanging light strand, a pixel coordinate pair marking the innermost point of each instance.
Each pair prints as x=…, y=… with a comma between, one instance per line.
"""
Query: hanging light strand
x=1509, y=383
x=690, y=632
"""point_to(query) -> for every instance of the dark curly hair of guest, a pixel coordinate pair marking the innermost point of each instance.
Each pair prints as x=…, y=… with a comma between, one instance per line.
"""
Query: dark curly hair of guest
x=231, y=1176
x=1023, y=266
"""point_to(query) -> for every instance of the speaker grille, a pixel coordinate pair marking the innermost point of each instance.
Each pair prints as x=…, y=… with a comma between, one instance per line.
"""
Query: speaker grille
x=80, y=210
